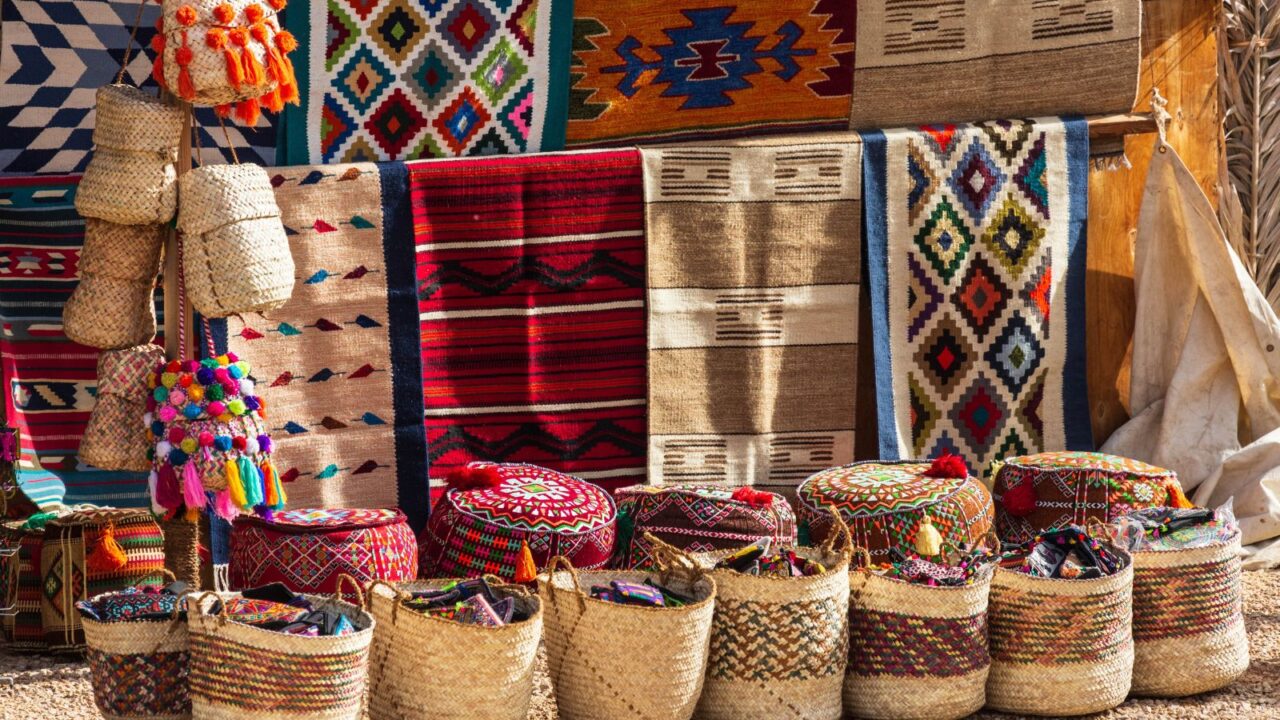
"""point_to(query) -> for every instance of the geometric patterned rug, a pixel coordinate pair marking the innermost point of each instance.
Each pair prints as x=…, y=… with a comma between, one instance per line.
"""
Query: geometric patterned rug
x=54, y=56
x=531, y=297
x=409, y=79
x=696, y=69
x=50, y=383
x=976, y=251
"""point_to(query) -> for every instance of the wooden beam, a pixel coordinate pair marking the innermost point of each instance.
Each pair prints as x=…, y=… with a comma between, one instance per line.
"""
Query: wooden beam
x=1110, y=126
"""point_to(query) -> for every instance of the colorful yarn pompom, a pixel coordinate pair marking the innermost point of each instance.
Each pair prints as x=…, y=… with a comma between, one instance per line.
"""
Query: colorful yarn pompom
x=753, y=497
x=947, y=465
x=1020, y=500
x=186, y=16
x=224, y=14
x=475, y=476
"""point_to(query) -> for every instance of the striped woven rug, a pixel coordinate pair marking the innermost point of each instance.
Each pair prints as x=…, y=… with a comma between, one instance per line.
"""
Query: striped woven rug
x=531, y=293
x=49, y=382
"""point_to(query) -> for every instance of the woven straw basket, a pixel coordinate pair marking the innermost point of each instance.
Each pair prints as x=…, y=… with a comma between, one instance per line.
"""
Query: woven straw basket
x=916, y=651
x=425, y=666
x=610, y=660
x=139, y=668
x=778, y=644
x=116, y=438
x=240, y=671
x=182, y=549
x=236, y=255
x=111, y=307
x=208, y=67
x=131, y=178
x=1060, y=647
x=1188, y=620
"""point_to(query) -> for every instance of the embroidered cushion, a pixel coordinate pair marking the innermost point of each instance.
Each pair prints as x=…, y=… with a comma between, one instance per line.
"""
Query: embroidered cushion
x=480, y=530
x=307, y=549
x=697, y=518
x=1051, y=490
x=884, y=504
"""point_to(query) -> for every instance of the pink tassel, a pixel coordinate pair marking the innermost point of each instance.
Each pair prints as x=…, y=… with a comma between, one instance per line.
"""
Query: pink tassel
x=168, y=494
x=223, y=506
x=192, y=489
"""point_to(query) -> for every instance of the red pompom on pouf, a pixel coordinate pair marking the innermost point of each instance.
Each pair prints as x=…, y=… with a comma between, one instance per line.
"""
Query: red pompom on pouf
x=491, y=510
x=307, y=549
x=1034, y=493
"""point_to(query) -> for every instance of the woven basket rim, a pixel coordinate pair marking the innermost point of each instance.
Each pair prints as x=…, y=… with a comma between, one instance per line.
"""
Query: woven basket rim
x=1127, y=565
x=536, y=615
x=1233, y=539
x=200, y=597
x=983, y=577
x=544, y=579
x=842, y=565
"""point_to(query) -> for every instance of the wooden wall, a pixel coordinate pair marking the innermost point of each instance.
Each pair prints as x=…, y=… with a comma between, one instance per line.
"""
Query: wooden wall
x=1180, y=58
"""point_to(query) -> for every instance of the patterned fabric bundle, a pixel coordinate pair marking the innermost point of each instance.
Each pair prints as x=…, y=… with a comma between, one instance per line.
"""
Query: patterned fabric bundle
x=239, y=671
x=428, y=78
x=1188, y=621
x=778, y=644
x=21, y=585
x=116, y=437
x=763, y=298
x=515, y=515
x=20, y=498
x=139, y=668
x=309, y=549
x=428, y=666
x=224, y=52
x=696, y=519
x=209, y=433
x=1060, y=647
x=1052, y=490
x=112, y=306
x=236, y=256
x=886, y=504
x=88, y=553
x=976, y=250
x=608, y=659
x=1046, y=58
x=132, y=179
x=915, y=650
x=342, y=356
x=531, y=294
x=700, y=69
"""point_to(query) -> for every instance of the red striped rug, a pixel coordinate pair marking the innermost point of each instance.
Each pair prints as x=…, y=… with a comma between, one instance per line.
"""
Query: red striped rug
x=531, y=293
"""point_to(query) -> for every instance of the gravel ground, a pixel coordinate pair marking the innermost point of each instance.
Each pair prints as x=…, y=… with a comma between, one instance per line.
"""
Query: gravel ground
x=38, y=687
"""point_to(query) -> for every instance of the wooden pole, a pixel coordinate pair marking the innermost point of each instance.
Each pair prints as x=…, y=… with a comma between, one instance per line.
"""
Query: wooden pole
x=173, y=345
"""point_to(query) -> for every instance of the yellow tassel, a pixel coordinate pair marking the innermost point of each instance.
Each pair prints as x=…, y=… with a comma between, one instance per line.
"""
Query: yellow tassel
x=235, y=486
x=107, y=555
x=928, y=539
x=526, y=568
x=1177, y=498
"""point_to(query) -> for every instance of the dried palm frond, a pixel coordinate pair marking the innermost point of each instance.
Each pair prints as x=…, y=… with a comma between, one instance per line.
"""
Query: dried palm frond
x=1249, y=81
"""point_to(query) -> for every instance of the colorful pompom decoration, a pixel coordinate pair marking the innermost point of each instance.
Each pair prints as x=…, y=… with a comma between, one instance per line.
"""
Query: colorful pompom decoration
x=474, y=476
x=206, y=443
x=947, y=465
x=1020, y=500
x=753, y=497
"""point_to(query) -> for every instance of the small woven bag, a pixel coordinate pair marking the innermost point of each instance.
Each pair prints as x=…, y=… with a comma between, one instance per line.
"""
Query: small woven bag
x=236, y=255
x=225, y=52
x=240, y=671
x=112, y=306
x=428, y=666
x=609, y=660
x=115, y=438
x=131, y=178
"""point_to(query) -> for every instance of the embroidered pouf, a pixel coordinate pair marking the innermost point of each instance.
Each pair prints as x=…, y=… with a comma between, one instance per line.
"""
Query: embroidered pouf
x=887, y=504
x=308, y=549
x=492, y=512
x=1034, y=493
x=88, y=553
x=20, y=585
x=698, y=518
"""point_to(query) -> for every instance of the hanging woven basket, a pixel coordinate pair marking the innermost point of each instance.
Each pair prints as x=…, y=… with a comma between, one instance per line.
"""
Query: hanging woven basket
x=131, y=178
x=116, y=438
x=112, y=307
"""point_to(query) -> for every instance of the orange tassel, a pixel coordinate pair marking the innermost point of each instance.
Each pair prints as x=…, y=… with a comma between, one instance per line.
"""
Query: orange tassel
x=285, y=44
x=157, y=71
x=526, y=568
x=254, y=75
x=248, y=111
x=1177, y=498
x=271, y=101
x=217, y=39
x=185, y=88
x=107, y=555
x=223, y=111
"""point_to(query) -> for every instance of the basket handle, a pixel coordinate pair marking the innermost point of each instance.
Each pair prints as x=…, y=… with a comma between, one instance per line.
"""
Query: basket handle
x=563, y=562
x=133, y=37
x=344, y=578
x=506, y=587
x=1099, y=529
x=198, y=599
x=840, y=529
x=396, y=592
x=865, y=555
x=166, y=572
x=674, y=562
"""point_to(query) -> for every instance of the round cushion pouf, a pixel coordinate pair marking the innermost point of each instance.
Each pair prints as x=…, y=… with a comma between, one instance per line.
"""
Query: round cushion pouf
x=885, y=504
x=1034, y=493
x=698, y=518
x=492, y=511
x=307, y=549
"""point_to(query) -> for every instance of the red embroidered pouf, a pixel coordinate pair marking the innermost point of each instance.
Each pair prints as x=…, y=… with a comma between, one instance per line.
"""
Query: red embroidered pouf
x=698, y=518
x=307, y=549
x=886, y=505
x=492, y=511
x=1051, y=490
